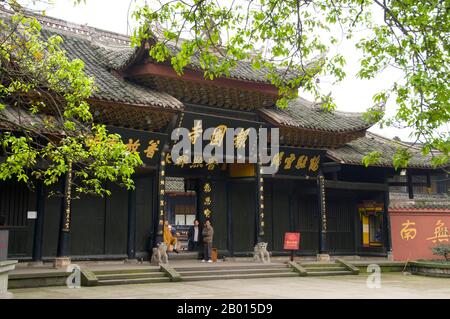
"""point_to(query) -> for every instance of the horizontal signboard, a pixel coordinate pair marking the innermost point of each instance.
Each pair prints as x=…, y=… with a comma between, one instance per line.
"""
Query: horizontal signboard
x=148, y=144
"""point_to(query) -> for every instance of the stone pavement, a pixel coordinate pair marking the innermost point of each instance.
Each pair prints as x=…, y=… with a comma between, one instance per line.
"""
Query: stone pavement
x=393, y=285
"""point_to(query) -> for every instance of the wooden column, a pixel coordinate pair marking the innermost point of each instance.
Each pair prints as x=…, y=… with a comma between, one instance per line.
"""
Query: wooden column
x=323, y=214
x=229, y=220
x=259, y=205
x=387, y=223
x=410, y=185
x=65, y=219
x=131, y=240
x=205, y=195
x=429, y=189
x=160, y=188
x=198, y=201
x=161, y=191
x=39, y=223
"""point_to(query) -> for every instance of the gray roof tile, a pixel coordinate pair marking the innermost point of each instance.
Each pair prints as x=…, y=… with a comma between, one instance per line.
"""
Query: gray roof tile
x=98, y=59
x=243, y=69
x=400, y=201
x=354, y=151
x=304, y=114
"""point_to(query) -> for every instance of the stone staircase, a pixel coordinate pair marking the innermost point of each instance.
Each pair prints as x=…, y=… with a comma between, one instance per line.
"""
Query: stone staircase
x=184, y=255
x=337, y=268
x=215, y=271
x=129, y=276
x=219, y=272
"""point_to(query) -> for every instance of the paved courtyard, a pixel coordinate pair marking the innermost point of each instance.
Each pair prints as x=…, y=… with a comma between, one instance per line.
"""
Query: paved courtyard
x=393, y=285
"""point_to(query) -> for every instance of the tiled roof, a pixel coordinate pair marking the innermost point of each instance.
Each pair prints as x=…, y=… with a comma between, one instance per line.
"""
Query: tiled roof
x=12, y=117
x=304, y=114
x=15, y=118
x=354, y=151
x=98, y=59
x=118, y=54
x=401, y=202
x=101, y=52
x=243, y=70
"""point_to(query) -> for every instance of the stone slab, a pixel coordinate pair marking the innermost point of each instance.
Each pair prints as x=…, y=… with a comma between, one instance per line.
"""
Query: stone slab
x=5, y=268
x=61, y=262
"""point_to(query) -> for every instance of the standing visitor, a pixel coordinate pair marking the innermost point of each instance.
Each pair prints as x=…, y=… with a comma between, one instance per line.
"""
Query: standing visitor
x=208, y=233
x=194, y=236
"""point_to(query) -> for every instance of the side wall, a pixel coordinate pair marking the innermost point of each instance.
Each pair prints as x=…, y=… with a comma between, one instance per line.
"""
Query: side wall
x=99, y=226
x=415, y=232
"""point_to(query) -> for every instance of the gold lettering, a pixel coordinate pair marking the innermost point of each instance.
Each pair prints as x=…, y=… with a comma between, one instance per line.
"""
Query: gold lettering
x=408, y=231
x=314, y=163
x=182, y=160
x=288, y=161
x=196, y=132
x=133, y=145
x=440, y=233
x=277, y=159
x=207, y=212
x=241, y=138
x=207, y=188
x=169, y=158
x=301, y=162
x=217, y=135
x=152, y=148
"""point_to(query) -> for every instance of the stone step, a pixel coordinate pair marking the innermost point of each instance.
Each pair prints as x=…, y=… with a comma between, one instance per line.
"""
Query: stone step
x=331, y=268
x=132, y=281
x=182, y=255
x=126, y=271
x=329, y=273
x=316, y=264
x=43, y=274
x=220, y=272
x=240, y=276
x=204, y=266
x=130, y=275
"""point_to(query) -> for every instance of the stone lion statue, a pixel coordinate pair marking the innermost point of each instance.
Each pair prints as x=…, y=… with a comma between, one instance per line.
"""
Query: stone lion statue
x=260, y=253
x=159, y=255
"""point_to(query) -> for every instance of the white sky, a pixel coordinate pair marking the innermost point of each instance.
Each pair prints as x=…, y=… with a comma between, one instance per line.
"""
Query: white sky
x=352, y=94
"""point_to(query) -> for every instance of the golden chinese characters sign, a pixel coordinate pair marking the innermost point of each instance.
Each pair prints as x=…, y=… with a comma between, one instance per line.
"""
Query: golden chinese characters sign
x=148, y=144
x=414, y=233
x=297, y=161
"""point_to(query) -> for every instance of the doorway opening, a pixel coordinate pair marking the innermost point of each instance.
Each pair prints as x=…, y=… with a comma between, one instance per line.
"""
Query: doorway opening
x=181, y=211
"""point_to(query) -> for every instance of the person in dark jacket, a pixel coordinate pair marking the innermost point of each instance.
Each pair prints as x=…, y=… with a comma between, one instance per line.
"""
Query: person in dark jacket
x=208, y=233
x=194, y=235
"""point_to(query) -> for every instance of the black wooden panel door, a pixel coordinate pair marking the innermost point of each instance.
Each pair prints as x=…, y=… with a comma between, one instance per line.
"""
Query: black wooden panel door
x=242, y=205
x=144, y=212
x=306, y=220
x=280, y=213
x=51, y=222
x=116, y=223
x=219, y=214
x=341, y=231
x=15, y=201
x=88, y=226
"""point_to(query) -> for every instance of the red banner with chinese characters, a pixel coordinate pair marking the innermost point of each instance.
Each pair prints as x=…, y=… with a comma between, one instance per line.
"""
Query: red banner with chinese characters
x=415, y=233
x=291, y=241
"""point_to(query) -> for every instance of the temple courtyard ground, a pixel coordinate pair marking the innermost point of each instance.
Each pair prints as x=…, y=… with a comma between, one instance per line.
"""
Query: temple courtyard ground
x=393, y=285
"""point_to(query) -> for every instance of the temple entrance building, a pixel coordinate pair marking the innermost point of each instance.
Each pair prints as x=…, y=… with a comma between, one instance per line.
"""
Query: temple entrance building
x=321, y=188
